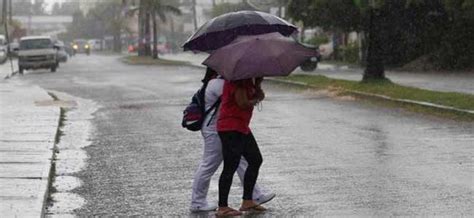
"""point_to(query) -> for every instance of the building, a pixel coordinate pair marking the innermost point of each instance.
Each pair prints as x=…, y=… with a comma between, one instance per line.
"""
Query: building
x=44, y=25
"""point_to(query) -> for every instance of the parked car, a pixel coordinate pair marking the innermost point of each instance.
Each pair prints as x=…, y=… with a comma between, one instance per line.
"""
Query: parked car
x=312, y=63
x=13, y=49
x=3, y=49
x=37, y=52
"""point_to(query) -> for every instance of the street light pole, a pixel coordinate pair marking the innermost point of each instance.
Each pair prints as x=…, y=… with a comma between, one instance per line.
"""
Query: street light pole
x=194, y=15
x=4, y=11
x=10, y=8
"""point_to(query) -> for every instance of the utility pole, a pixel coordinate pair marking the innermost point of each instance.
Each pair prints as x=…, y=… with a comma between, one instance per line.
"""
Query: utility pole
x=4, y=11
x=194, y=15
x=10, y=8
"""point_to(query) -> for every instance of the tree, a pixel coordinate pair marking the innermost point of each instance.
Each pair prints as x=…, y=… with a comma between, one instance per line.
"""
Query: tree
x=338, y=16
x=110, y=14
x=157, y=9
x=38, y=7
x=224, y=8
x=56, y=9
x=106, y=18
x=328, y=14
x=457, y=44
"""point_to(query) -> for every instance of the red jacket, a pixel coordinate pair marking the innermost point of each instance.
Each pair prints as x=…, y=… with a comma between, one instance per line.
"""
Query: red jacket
x=231, y=116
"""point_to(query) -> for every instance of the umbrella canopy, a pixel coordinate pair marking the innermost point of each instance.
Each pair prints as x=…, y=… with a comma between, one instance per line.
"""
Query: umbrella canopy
x=258, y=56
x=223, y=29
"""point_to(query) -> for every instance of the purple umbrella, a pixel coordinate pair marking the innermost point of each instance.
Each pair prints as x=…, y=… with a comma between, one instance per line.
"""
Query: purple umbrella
x=223, y=29
x=258, y=56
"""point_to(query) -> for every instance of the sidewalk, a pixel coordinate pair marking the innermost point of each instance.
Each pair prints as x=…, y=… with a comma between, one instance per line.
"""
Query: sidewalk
x=27, y=137
x=448, y=82
x=6, y=68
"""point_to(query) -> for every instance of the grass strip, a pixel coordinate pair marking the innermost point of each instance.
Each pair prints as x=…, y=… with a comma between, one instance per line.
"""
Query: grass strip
x=387, y=88
x=395, y=91
x=146, y=60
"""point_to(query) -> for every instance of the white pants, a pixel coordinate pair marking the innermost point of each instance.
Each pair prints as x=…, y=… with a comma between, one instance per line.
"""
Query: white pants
x=212, y=158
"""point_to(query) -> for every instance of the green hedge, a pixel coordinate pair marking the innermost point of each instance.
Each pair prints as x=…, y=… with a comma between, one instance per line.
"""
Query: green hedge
x=350, y=53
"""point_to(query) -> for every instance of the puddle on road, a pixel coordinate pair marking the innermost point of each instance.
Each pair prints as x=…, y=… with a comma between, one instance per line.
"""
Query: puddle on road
x=71, y=158
x=66, y=183
x=64, y=204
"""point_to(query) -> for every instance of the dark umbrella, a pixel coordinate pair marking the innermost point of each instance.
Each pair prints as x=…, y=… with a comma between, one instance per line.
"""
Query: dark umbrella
x=257, y=56
x=223, y=29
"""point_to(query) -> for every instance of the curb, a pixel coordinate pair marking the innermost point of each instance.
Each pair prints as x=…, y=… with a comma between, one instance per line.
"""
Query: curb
x=384, y=97
x=124, y=60
x=370, y=95
x=52, y=167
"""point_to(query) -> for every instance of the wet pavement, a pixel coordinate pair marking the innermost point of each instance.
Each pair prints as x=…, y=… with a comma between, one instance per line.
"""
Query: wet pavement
x=322, y=155
x=28, y=125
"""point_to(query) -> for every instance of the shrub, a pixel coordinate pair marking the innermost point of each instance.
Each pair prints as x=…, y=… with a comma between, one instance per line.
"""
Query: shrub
x=317, y=40
x=350, y=53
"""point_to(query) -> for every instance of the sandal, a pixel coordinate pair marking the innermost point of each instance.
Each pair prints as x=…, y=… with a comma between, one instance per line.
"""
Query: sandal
x=228, y=212
x=256, y=208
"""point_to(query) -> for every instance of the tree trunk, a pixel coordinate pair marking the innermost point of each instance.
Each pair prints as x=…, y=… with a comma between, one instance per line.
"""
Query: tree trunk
x=117, y=41
x=173, y=35
x=155, y=37
x=336, y=41
x=375, y=68
x=147, y=47
x=141, y=29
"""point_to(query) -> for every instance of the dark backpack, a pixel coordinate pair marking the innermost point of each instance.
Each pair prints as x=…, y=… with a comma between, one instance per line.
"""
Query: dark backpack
x=195, y=112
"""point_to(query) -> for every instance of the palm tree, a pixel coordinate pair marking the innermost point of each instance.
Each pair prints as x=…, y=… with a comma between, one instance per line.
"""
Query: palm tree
x=158, y=9
x=155, y=9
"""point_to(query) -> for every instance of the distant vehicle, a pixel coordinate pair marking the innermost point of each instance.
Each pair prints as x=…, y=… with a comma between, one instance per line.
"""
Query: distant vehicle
x=312, y=63
x=95, y=44
x=62, y=54
x=3, y=49
x=37, y=52
x=162, y=48
x=68, y=48
x=81, y=46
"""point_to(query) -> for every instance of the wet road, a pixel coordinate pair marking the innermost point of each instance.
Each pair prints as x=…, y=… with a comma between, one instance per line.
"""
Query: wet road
x=322, y=156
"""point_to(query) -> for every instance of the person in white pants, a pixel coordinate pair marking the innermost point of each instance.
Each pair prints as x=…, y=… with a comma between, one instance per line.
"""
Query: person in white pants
x=212, y=156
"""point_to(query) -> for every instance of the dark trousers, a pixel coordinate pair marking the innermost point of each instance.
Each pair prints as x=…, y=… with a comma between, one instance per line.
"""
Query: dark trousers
x=234, y=146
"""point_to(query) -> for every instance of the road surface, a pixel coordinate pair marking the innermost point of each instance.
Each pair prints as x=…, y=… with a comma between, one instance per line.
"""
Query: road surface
x=323, y=156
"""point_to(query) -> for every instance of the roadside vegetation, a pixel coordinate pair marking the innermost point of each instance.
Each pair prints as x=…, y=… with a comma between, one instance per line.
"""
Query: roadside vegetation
x=394, y=33
x=148, y=60
x=392, y=90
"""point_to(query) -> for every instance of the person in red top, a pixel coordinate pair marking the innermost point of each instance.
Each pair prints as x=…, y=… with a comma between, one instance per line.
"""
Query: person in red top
x=238, y=101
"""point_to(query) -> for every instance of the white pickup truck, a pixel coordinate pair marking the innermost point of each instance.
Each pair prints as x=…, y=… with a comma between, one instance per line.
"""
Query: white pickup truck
x=3, y=49
x=37, y=52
